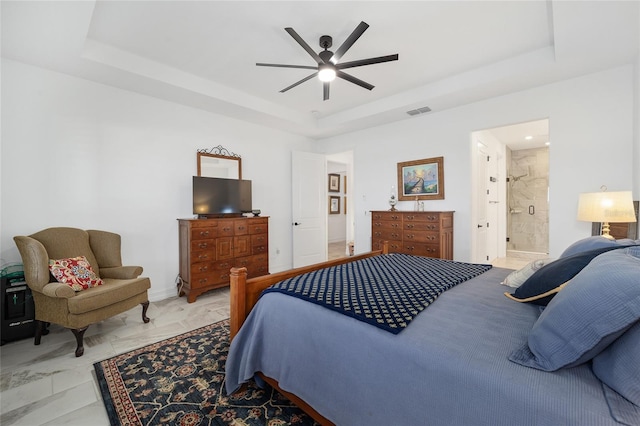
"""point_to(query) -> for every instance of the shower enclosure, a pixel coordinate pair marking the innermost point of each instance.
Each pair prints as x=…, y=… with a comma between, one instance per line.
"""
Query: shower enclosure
x=528, y=203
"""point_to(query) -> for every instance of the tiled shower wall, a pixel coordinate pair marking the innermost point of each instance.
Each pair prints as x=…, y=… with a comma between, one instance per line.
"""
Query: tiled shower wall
x=528, y=202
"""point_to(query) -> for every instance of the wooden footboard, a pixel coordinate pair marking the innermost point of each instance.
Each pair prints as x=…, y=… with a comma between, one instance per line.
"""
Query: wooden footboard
x=245, y=292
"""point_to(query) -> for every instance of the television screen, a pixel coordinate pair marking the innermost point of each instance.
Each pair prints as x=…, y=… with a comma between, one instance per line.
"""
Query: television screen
x=217, y=196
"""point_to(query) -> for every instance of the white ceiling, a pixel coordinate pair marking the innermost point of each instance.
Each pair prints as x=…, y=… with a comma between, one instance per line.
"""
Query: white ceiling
x=203, y=53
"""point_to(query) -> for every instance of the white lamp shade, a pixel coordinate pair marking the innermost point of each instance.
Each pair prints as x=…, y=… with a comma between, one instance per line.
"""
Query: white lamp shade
x=606, y=207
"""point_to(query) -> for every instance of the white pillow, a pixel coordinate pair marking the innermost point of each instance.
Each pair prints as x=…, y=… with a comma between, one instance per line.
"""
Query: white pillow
x=516, y=278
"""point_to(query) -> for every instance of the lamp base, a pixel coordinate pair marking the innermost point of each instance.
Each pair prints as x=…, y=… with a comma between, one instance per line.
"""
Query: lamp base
x=605, y=231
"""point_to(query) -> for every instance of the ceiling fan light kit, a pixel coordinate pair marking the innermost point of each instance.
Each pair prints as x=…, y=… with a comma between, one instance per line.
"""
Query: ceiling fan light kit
x=328, y=63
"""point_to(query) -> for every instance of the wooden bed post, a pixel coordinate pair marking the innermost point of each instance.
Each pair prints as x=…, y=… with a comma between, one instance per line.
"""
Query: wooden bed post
x=238, y=299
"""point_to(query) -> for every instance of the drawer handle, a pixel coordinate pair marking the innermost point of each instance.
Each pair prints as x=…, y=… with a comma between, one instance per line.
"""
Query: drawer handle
x=204, y=268
x=410, y=237
x=410, y=225
x=203, y=256
x=225, y=265
x=204, y=233
x=226, y=229
x=202, y=245
x=258, y=230
x=203, y=280
x=224, y=276
x=241, y=228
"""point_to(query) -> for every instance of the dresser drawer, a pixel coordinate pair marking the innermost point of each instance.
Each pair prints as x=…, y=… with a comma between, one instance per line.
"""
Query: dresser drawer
x=258, y=226
x=421, y=249
x=386, y=234
x=208, y=255
x=223, y=265
x=226, y=227
x=391, y=216
x=240, y=227
x=202, y=280
x=421, y=217
x=421, y=226
x=202, y=245
x=385, y=224
x=259, y=240
x=421, y=237
x=203, y=233
x=395, y=246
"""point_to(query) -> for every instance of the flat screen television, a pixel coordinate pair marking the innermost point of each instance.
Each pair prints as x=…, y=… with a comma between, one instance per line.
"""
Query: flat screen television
x=214, y=197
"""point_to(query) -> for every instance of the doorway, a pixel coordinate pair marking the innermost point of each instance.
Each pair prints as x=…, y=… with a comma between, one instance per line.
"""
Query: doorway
x=340, y=224
x=526, y=187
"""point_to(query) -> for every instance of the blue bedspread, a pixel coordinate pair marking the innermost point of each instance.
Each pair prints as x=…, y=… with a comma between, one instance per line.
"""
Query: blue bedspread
x=450, y=366
x=386, y=291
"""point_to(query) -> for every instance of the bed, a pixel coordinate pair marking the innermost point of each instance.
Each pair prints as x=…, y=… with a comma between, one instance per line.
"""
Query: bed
x=464, y=360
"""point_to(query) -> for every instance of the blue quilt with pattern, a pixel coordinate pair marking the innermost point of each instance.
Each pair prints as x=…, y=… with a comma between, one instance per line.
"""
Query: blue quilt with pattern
x=386, y=291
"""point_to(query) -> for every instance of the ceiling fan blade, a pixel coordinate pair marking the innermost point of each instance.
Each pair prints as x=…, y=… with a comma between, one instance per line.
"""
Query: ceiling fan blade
x=304, y=45
x=353, y=80
x=304, y=67
x=325, y=90
x=370, y=61
x=309, y=77
x=355, y=35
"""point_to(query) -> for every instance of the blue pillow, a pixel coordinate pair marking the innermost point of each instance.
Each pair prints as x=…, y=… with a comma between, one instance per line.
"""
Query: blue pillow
x=546, y=282
x=587, y=244
x=596, y=307
x=618, y=366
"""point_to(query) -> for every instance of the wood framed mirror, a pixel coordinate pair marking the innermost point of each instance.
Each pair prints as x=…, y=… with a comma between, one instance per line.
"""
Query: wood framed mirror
x=219, y=165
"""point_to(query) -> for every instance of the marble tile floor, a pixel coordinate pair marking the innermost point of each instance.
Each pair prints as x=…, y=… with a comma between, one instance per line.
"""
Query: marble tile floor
x=48, y=385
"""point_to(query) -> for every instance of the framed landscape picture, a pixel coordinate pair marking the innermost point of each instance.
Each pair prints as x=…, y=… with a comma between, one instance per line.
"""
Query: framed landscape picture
x=421, y=178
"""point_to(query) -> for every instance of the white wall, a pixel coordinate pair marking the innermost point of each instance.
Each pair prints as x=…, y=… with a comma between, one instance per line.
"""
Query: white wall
x=589, y=116
x=81, y=154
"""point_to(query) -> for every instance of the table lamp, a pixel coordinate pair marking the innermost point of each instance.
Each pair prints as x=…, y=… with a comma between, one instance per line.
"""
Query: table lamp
x=605, y=207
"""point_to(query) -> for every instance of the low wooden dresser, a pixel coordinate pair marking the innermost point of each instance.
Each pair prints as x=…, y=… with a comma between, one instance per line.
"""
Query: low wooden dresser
x=209, y=248
x=420, y=233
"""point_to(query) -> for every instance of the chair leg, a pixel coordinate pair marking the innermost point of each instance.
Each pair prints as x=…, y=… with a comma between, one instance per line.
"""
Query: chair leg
x=145, y=306
x=40, y=328
x=79, y=333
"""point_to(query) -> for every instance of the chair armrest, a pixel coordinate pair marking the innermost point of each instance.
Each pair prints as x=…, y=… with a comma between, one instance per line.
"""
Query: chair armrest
x=59, y=290
x=121, y=272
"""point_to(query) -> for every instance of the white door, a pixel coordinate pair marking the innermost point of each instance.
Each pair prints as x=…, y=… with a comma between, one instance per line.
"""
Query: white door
x=482, y=179
x=493, y=199
x=309, y=205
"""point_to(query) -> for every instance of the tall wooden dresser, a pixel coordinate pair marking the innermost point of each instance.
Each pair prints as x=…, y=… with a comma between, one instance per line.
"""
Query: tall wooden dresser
x=420, y=233
x=209, y=248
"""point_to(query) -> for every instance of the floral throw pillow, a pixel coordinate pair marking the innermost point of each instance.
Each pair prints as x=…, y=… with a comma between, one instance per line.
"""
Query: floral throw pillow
x=76, y=272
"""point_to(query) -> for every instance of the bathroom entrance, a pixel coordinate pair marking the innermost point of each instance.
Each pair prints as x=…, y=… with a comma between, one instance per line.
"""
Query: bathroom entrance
x=526, y=187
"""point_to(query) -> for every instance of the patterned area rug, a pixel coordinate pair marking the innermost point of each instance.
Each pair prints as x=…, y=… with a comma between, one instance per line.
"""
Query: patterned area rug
x=180, y=381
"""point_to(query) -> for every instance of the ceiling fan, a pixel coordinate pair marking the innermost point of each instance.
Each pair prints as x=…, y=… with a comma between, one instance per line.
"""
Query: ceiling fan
x=328, y=66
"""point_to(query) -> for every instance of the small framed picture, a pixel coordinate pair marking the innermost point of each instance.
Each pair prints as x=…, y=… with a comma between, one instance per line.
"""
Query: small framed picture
x=334, y=205
x=334, y=182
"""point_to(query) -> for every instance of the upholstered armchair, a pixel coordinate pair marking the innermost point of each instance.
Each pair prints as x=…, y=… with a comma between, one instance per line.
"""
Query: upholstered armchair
x=56, y=302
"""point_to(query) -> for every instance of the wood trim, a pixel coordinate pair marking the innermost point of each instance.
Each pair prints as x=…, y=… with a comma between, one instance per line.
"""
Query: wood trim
x=244, y=294
x=298, y=402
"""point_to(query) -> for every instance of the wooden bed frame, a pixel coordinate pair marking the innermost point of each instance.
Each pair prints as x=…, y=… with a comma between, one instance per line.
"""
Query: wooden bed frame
x=244, y=294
